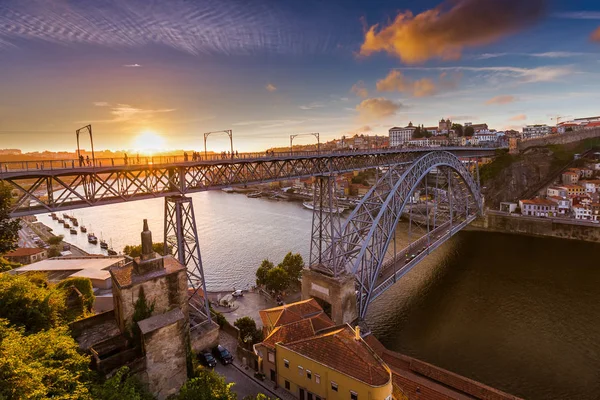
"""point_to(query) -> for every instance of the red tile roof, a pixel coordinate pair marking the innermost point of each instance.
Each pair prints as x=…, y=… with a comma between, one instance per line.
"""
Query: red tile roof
x=338, y=349
x=297, y=330
x=23, y=251
x=289, y=313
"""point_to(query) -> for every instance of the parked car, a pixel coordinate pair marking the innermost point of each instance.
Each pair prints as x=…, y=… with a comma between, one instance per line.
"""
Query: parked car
x=223, y=355
x=207, y=359
x=238, y=293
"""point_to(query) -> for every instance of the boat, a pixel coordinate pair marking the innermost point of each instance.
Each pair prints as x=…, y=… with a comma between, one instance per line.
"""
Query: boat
x=228, y=190
x=73, y=231
x=83, y=229
x=66, y=216
x=74, y=221
x=60, y=220
x=254, y=195
x=111, y=251
x=54, y=217
x=92, y=238
x=311, y=206
x=103, y=244
x=66, y=225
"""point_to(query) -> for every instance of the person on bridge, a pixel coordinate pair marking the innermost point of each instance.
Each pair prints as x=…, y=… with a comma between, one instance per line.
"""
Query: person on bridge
x=125, y=158
x=87, y=160
x=80, y=160
x=236, y=154
x=185, y=156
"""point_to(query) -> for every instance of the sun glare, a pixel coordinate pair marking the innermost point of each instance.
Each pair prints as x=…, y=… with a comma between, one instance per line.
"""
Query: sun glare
x=148, y=142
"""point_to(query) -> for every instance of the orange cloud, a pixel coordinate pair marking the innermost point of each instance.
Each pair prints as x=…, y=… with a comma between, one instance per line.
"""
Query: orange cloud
x=396, y=81
x=520, y=117
x=270, y=87
x=505, y=99
x=360, y=90
x=596, y=35
x=444, y=32
x=376, y=108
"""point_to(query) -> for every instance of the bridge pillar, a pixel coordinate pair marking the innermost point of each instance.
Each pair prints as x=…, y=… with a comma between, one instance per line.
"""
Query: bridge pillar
x=337, y=295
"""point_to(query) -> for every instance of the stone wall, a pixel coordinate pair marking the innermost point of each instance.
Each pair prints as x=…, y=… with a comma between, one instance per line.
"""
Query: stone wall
x=564, y=138
x=500, y=222
x=339, y=292
x=204, y=337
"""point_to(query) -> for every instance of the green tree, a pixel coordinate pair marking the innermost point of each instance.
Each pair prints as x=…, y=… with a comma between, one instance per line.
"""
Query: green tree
x=84, y=285
x=277, y=279
x=458, y=129
x=6, y=265
x=41, y=365
x=54, y=251
x=141, y=311
x=55, y=240
x=417, y=133
x=30, y=305
x=136, y=250
x=122, y=385
x=9, y=228
x=248, y=332
x=293, y=264
x=469, y=131
x=260, y=396
x=261, y=272
x=207, y=385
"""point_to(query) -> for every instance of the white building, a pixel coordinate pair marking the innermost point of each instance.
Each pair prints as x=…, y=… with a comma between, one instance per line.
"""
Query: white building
x=582, y=212
x=563, y=205
x=591, y=186
x=533, y=131
x=400, y=136
x=557, y=191
x=538, y=207
x=487, y=137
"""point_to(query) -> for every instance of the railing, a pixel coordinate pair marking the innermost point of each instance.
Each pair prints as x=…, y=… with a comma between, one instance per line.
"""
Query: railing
x=73, y=163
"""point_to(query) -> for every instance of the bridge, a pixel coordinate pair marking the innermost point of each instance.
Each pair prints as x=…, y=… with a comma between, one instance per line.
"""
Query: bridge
x=358, y=249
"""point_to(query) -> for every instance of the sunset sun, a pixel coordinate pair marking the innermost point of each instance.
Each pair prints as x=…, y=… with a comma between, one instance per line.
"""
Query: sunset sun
x=148, y=141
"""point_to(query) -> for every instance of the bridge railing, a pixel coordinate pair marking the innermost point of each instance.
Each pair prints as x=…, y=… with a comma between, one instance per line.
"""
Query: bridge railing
x=142, y=160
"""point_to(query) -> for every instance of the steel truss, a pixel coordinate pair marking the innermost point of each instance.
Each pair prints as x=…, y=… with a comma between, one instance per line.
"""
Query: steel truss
x=362, y=245
x=181, y=236
x=54, y=190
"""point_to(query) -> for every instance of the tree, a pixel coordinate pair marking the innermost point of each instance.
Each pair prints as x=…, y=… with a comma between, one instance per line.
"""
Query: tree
x=261, y=272
x=277, y=279
x=417, y=133
x=41, y=365
x=293, y=264
x=260, y=396
x=6, y=265
x=136, y=250
x=458, y=129
x=9, y=228
x=55, y=240
x=207, y=385
x=469, y=131
x=122, y=385
x=248, y=332
x=84, y=286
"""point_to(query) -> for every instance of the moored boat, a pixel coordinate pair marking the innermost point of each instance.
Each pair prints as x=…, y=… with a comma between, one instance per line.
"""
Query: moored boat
x=83, y=229
x=311, y=206
x=92, y=238
x=254, y=195
x=228, y=190
x=73, y=231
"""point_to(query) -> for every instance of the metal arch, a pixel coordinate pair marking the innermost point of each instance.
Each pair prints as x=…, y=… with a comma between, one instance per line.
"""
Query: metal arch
x=368, y=231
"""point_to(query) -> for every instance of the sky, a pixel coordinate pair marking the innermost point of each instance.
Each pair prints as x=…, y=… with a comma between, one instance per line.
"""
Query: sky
x=161, y=73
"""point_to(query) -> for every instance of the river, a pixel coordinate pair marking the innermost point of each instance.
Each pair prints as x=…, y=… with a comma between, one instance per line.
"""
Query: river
x=518, y=313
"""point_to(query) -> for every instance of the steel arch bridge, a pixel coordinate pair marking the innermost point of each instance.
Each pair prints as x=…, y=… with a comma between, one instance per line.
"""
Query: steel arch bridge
x=448, y=199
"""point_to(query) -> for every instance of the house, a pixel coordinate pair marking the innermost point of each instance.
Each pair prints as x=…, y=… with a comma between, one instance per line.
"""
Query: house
x=591, y=186
x=486, y=137
x=313, y=359
x=538, y=207
x=583, y=212
x=26, y=255
x=563, y=205
x=533, y=131
x=595, y=211
x=574, y=190
x=558, y=191
x=570, y=177
x=399, y=136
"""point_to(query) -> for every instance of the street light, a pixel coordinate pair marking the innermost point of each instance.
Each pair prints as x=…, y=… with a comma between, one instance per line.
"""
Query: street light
x=229, y=133
x=315, y=134
x=89, y=129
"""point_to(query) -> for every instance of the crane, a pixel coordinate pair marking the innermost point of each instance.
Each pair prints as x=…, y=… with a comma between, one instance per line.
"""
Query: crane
x=558, y=118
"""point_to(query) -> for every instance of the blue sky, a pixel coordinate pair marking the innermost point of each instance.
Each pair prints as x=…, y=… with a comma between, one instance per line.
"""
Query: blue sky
x=268, y=69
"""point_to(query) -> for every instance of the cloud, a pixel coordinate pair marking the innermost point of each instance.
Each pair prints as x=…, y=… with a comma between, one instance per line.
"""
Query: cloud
x=312, y=105
x=270, y=123
x=377, y=108
x=132, y=65
x=128, y=113
x=520, y=117
x=504, y=99
x=462, y=118
x=548, y=54
x=595, y=37
x=360, y=90
x=364, y=128
x=395, y=81
x=523, y=75
x=443, y=32
x=579, y=15
x=270, y=87
x=101, y=104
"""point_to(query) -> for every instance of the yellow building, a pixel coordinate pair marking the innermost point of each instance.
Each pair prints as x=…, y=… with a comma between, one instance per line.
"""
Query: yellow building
x=314, y=360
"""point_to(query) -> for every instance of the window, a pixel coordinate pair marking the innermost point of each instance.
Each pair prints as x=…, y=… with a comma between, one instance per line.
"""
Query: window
x=286, y=363
x=271, y=357
x=308, y=374
x=287, y=385
x=353, y=395
x=317, y=378
x=334, y=386
x=300, y=370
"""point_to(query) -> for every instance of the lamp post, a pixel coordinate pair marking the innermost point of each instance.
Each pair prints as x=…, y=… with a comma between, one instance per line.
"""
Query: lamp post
x=229, y=133
x=89, y=129
x=315, y=134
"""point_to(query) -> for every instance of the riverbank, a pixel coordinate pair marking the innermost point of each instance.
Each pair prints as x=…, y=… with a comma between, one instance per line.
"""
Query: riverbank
x=562, y=228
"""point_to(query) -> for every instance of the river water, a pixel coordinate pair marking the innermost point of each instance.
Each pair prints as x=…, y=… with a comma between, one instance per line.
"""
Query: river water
x=518, y=313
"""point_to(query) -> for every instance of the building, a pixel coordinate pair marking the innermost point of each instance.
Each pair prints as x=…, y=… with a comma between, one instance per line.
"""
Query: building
x=434, y=130
x=557, y=191
x=400, y=136
x=563, y=205
x=533, y=131
x=574, y=190
x=591, y=186
x=444, y=126
x=538, y=207
x=582, y=212
x=313, y=359
x=570, y=177
x=25, y=255
x=477, y=127
x=595, y=211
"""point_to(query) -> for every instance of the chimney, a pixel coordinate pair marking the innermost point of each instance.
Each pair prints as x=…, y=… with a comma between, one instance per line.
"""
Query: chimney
x=147, y=251
x=357, y=333
x=149, y=261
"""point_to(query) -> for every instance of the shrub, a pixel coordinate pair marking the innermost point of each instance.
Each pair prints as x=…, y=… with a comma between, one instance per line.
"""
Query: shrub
x=84, y=285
